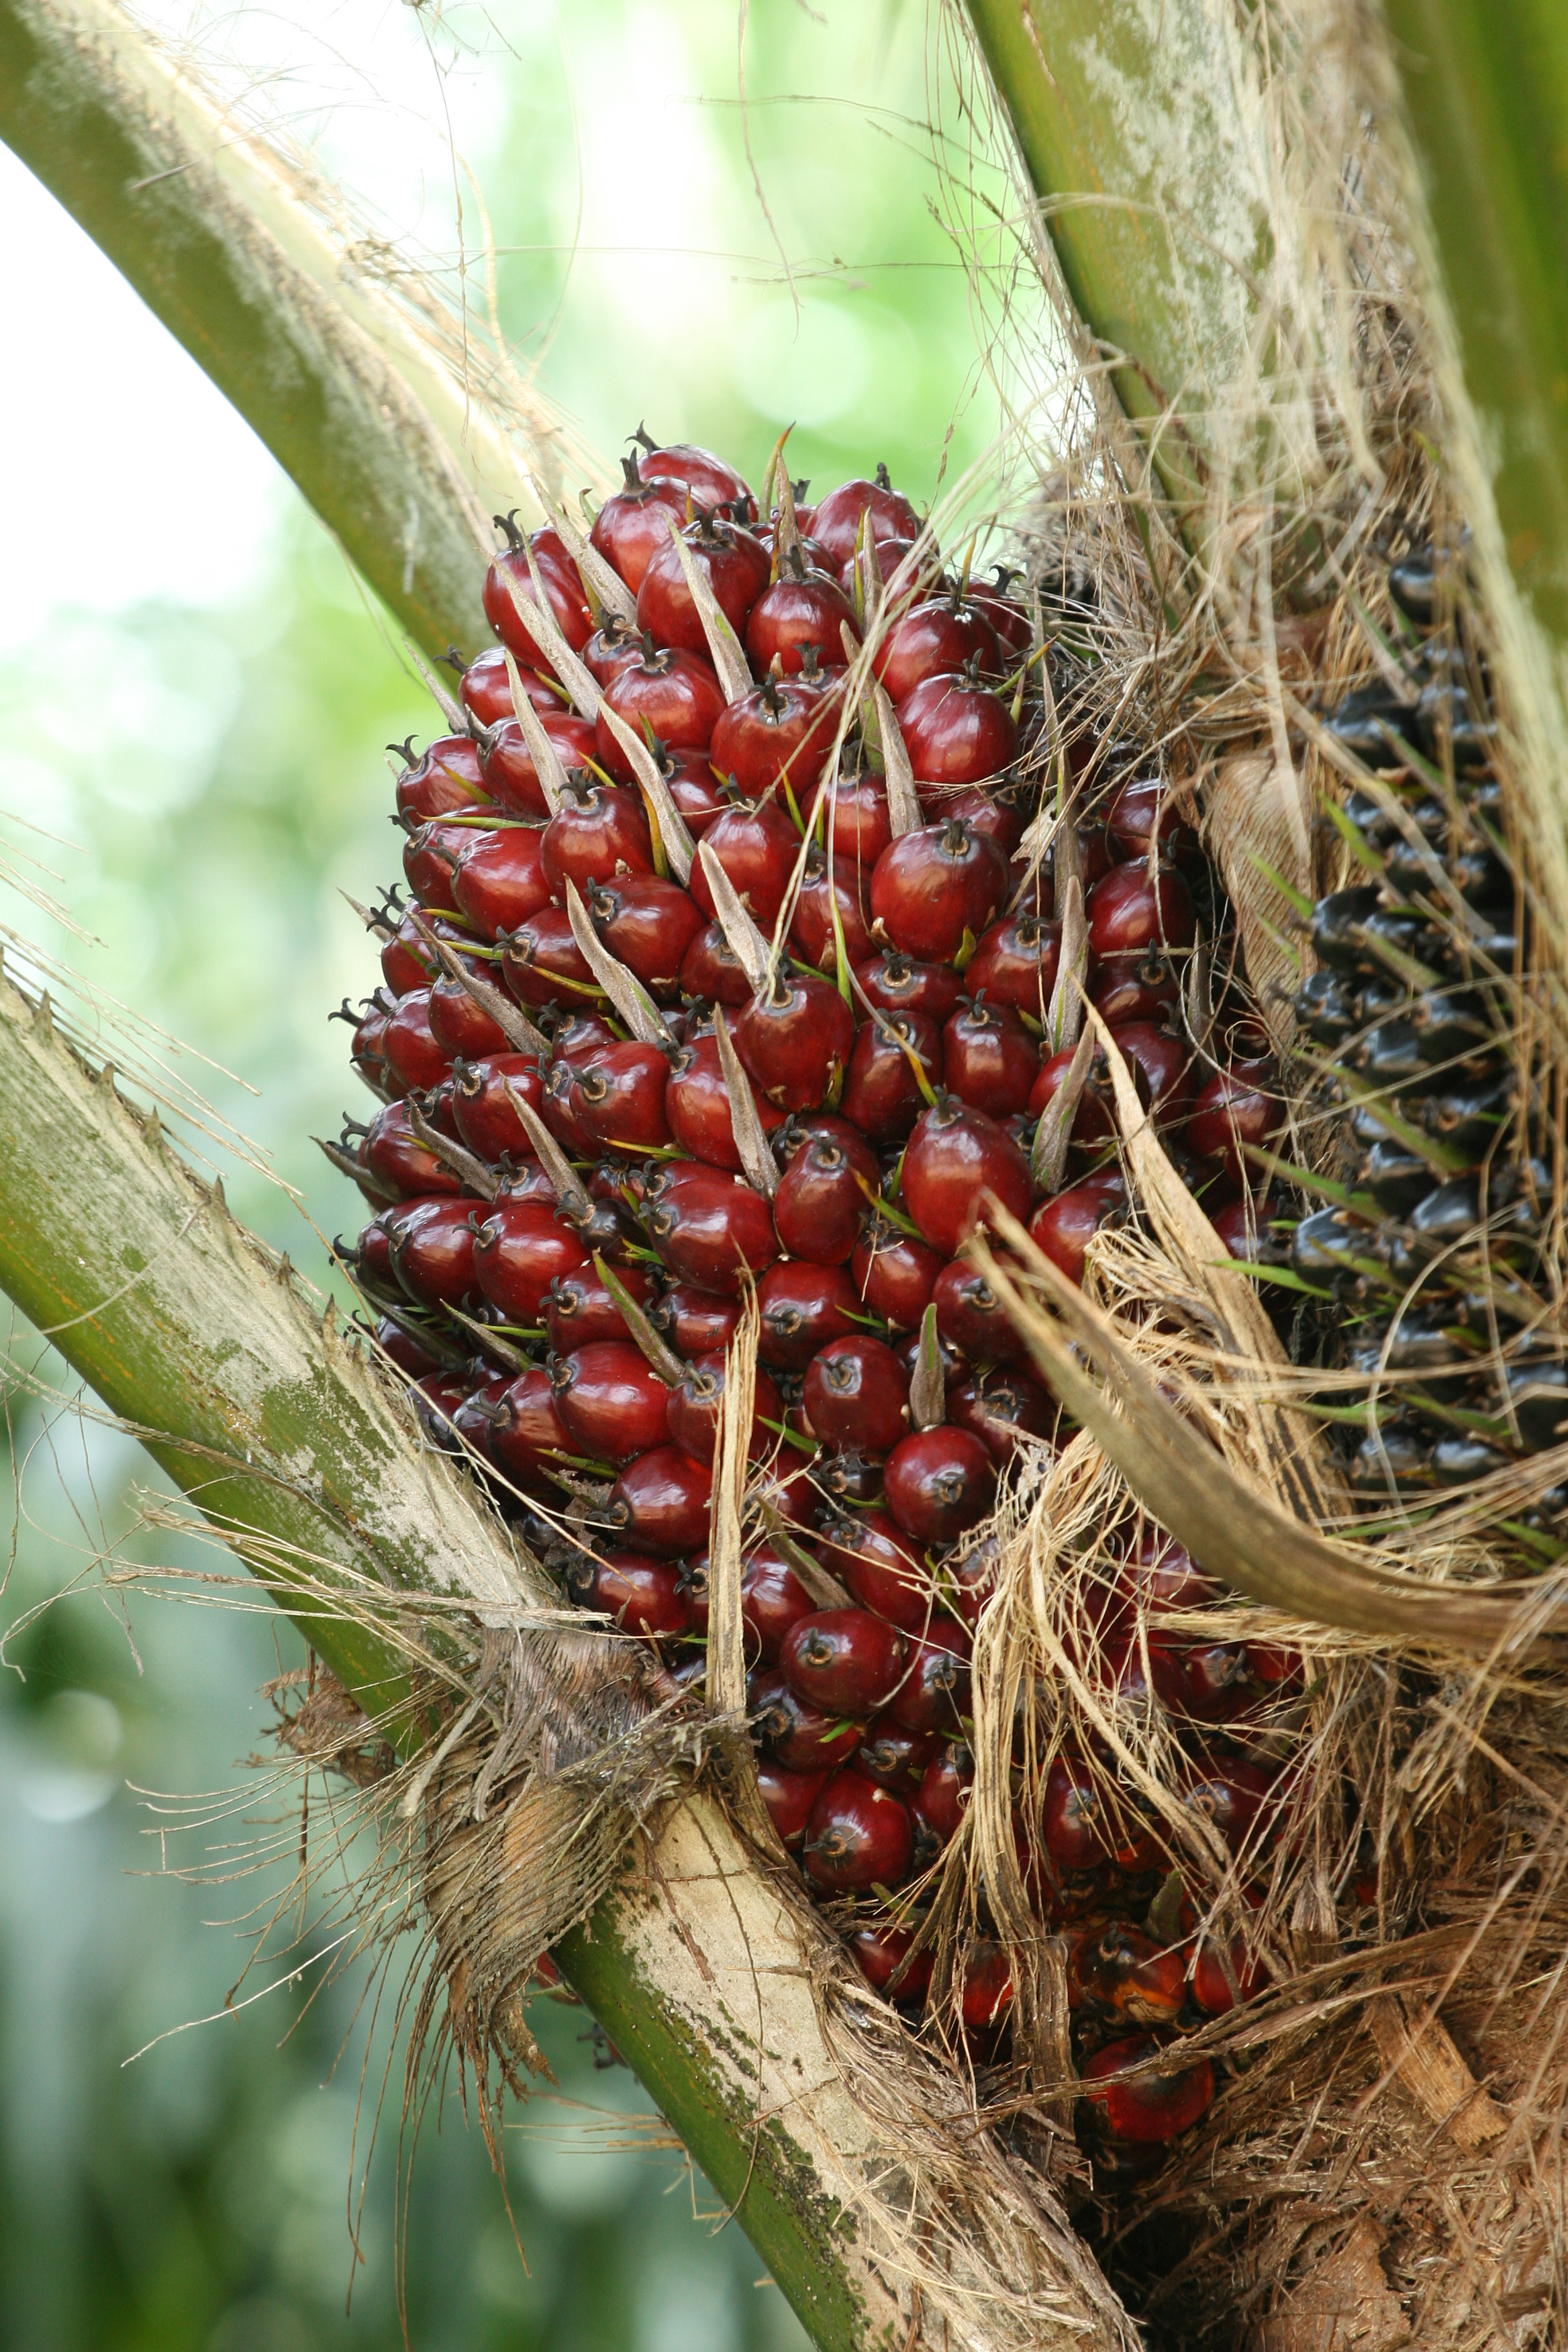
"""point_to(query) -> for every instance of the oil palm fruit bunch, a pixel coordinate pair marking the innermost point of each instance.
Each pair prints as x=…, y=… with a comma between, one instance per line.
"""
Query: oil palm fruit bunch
x=749, y=911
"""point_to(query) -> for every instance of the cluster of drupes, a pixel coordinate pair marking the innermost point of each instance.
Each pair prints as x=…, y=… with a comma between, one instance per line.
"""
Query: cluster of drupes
x=1435, y=1242
x=611, y=1114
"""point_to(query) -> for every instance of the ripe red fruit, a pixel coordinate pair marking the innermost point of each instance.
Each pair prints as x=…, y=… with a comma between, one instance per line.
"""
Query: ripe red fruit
x=1086, y=1822
x=1216, y=1989
x=803, y=1307
x=579, y=1309
x=1152, y=2108
x=929, y=639
x=597, y=830
x=856, y=1396
x=1016, y=963
x=737, y=571
x=882, y=1096
x=611, y=1401
x=882, y=1953
x=844, y=1661
x=1231, y=1797
x=773, y=1599
x=697, y=1107
x=675, y=693
x=1234, y=1114
x=930, y=887
x=858, y=1836
x=757, y=848
x=856, y=818
x=431, y=857
x=507, y=763
x=499, y=880
x=894, y=982
x=708, y=479
x=643, y=1596
x=1162, y=1574
x=695, y=1321
x=406, y=961
x=618, y=1099
x=400, y=1347
x=710, y=970
x=812, y=937
x=971, y=1317
x=956, y=731
x=869, y=1553
x=483, y=1111
x=635, y=522
x=939, y=1482
x=710, y=1229
x=432, y=1249
x=783, y=728
x=445, y=777
x=1064, y=1227
x=1128, y=988
x=542, y=963
x=613, y=644
x=795, y=1040
x=987, y=1994
x=393, y=1153
x=954, y=1156
x=835, y=525
x=520, y=1248
x=1127, y=912
x=800, y=609
x=461, y=1026
x=410, y=1048
x=563, y=592
x=799, y=1736
x=996, y=810
x=999, y=1407
x=988, y=1058
x=934, y=1693
x=1242, y=1227
x=789, y=1798
x=1013, y=630
x=647, y=923
x=693, y=787
x=1131, y=1977
x=660, y=1503
x=945, y=1789
x=485, y=689
x=820, y=1204
x=894, y=1757
x=894, y=1274
x=692, y=1408
x=527, y=1437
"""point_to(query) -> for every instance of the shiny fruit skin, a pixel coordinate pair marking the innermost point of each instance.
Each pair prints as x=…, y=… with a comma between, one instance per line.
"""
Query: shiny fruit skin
x=987, y=1994
x=1218, y=1992
x=856, y=1396
x=633, y=523
x=820, y=1204
x=409, y=1046
x=782, y=729
x=660, y=1503
x=1131, y=1977
x=710, y=1230
x=432, y=1245
x=1144, y=809
x=773, y=1599
x=563, y=592
x=430, y=858
x=989, y=1059
x=812, y=937
x=711, y=972
x=799, y=1736
x=1241, y=1227
x=858, y=1836
x=757, y=848
x=835, y=525
x=934, y=1693
x=844, y=1661
x=647, y=923
x=445, y=777
x=484, y=1113
x=580, y=1310
x=1154, y=2107
x=406, y=961
x=1016, y=963
x=393, y=1153
x=612, y=646
x=692, y=1408
x=599, y=830
x=789, y=1798
x=931, y=885
x=957, y=733
x=695, y=1321
x=737, y=570
x=485, y=689
x=802, y=1308
x=934, y=639
x=1128, y=912
x=946, y=1786
x=797, y=612
x=1002, y=1409
x=954, y=1156
x=697, y=1105
x=460, y=1026
x=1082, y=1827
x=702, y=477
x=1063, y=1226
x=857, y=819
x=1162, y=1574
x=972, y=1318
x=1231, y=1796
x=1128, y=988
x=507, y=763
x=1233, y=1115
x=1010, y=624
x=895, y=1759
x=675, y=693
x=939, y=1482
x=895, y=983
x=499, y=880
x=882, y=1953
x=529, y=1436
x=882, y=1094
x=895, y=1274
x=796, y=1042
x=611, y=1401
x=994, y=809
x=522, y=1247
x=542, y=963
x=643, y=1596
x=619, y=1098
x=871, y=1554
x=694, y=788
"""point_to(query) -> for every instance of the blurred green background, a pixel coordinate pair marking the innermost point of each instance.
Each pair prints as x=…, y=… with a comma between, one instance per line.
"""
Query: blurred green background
x=193, y=697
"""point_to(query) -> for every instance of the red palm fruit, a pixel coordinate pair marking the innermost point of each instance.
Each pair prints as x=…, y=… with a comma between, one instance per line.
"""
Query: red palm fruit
x=1141, y=987
x=692, y=1408
x=484, y=1112
x=799, y=1736
x=619, y=1097
x=971, y=1317
x=528, y=1436
x=1128, y=912
x=430, y=859
x=507, y=763
x=851, y=1478
x=613, y=644
x=835, y=525
x=660, y=1503
x=934, y=1693
x=1242, y=1227
x=881, y=1095
x=795, y=1040
x=444, y=778
x=1084, y=1824
x=1161, y=1574
x=883, y=1571
x=1131, y=1978
x=956, y=731
x=894, y=982
x=930, y=639
x=974, y=1570
x=697, y=1107
x=1219, y=1989
x=812, y=937
x=1016, y=963
x=1218, y=1685
x=1152, y=2107
x=894, y=1757
x=432, y=1249
x=803, y=1307
x=945, y=1789
x=930, y=887
x=437, y=1399
x=1144, y=809
x=559, y=1104
x=1146, y=1675
x=499, y=880
x=883, y=1955
x=894, y=1274
x=1065, y=1225
x=856, y=809
x=485, y=689
x=647, y=923
x=820, y=1204
x=844, y=1661
x=673, y=693
x=954, y=1158
x=757, y=848
x=1158, y=1062
x=643, y=1596
x=802, y=1127
x=711, y=972
x=579, y=1033
x=401, y=1347
x=987, y=1994
x=519, y=1250
x=611, y=1401
x=563, y=592
x=783, y=728
x=801, y=608
x=737, y=571
x=394, y=1155
x=988, y=1058
x=856, y=1396
x=1002, y=1408
x=599, y=830
x=693, y=787
x=635, y=522
x=1234, y=1113
x=579, y=1309
x=695, y=1321
x=710, y=1229
x=696, y=1583
x=542, y=963
x=773, y=1599
x=406, y=961
x=789, y=1798
x=708, y=479
x=461, y=1027
x=939, y=1482
x=410, y=1047
x=1011, y=624
x=1231, y=1796
x=858, y=1836
x=994, y=809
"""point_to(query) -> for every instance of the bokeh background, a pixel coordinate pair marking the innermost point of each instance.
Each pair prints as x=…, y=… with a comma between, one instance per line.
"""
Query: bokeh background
x=193, y=697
